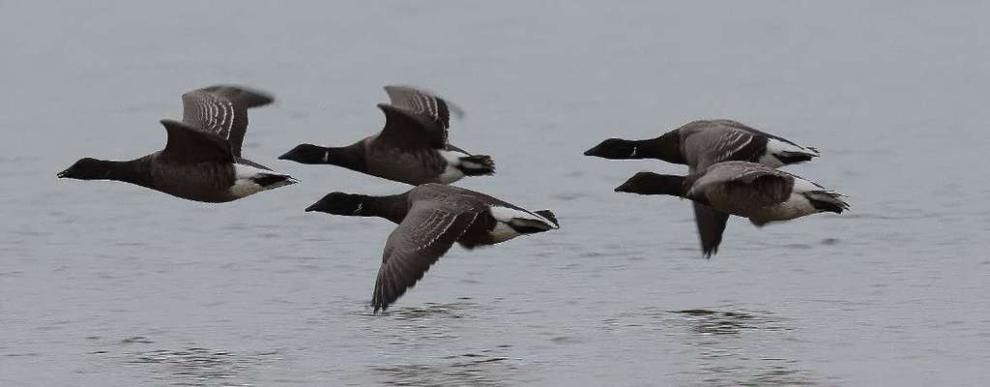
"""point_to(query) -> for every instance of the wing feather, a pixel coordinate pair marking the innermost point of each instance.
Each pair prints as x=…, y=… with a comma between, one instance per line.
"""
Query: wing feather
x=222, y=110
x=426, y=234
x=745, y=182
x=424, y=103
x=404, y=129
x=189, y=145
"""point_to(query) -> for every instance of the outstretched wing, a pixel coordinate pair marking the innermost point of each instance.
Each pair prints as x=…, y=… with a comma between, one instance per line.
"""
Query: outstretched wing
x=222, y=110
x=423, y=103
x=426, y=233
x=746, y=182
x=711, y=225
x=189, y=145
x=405, y=129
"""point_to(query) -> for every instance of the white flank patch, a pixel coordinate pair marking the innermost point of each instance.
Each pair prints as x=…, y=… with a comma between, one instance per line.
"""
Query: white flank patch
x=797, y=205
x=451, y=173
x=775, y=147
x=244, y=186
x=502, y=232
x=505, y=215
x=802, y=185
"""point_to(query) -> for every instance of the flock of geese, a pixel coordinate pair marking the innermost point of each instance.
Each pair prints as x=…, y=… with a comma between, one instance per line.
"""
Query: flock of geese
x=731, y=170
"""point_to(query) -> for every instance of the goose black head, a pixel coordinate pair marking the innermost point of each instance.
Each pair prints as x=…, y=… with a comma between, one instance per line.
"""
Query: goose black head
x=649, y=183
x=339, y=203
x=307, y=154
x=614, y=148
x=86, y=169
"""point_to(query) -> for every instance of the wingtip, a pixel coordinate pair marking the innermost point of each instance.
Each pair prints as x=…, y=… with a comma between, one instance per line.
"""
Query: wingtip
x=453, y=108
x=378, y=307
x=252, y=97
x=170, y=123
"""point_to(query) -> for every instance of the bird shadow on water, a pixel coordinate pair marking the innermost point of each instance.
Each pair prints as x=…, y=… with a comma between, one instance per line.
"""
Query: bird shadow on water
x=425, y=325
x=432, y=310
x=191, y=366
x=725, y=347
x=429, y=326
x=469, y=369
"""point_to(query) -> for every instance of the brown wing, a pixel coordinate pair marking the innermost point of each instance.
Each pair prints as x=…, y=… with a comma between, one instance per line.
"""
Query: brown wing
x=711, y=225
x=222, y=110
x=188, y=145
x=747, y=183
x=405, y=129
x=426, y=233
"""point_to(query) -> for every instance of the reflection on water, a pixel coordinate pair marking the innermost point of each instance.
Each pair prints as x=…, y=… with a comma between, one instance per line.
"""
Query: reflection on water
x=726, y=323
x=196, y=366
x=471, y=369
x=727, y=347
x=431, y=310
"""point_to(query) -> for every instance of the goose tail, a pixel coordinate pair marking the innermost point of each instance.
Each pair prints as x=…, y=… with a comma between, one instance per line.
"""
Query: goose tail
x=827, y=201
x=477, y=165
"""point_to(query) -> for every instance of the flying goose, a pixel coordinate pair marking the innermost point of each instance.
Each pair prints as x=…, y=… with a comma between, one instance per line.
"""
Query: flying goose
x=431, y=217
x=699, y=144
x=202, y=156
x=412, y=147
x=745, y=189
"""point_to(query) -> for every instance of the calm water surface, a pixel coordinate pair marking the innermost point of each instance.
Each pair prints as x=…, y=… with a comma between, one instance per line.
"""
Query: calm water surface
x=106, y=284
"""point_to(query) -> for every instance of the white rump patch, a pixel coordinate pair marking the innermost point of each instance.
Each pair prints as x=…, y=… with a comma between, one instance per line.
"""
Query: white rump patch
x=802, y=185
x=796, y=206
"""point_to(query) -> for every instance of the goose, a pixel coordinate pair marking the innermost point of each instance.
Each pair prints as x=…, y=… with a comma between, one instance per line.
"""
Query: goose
x=202, y=159
x=750, y=190
x=699, y=144
x=412, y=148
x=431, y=218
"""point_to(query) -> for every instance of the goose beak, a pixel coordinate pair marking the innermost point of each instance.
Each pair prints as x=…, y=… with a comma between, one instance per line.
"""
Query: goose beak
x=62, y=174
x=623, y=188
x=311, y=208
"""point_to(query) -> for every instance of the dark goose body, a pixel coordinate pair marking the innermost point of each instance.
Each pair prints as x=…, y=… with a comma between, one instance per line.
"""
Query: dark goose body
x=700, y=144
x=412, y=147
x=750, y=190
x=201, y=160
x=431, y=218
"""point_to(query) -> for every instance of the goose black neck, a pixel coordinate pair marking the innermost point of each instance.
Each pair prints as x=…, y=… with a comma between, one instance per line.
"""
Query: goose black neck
x=350, y=157
x=393, y=207
x=666, y=147
x=133, y=171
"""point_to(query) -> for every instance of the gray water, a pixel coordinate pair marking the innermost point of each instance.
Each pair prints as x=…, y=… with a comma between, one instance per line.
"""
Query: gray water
x=107, y=284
